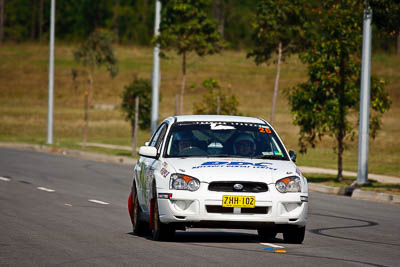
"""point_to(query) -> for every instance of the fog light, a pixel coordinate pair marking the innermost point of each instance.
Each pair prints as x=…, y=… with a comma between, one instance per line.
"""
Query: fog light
x=164, y=195
x=180, y=204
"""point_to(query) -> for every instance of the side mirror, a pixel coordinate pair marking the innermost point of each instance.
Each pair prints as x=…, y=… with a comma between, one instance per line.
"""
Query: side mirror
x=148, y=151
x=147, y=143
x=292, y=155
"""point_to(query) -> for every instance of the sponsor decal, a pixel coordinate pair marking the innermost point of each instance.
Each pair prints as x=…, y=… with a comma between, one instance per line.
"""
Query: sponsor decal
x=298, y=171
x=220, y=126
x=165, y=165
x=267, y=153
x=263, y=126
x=235, y=164
x=164, y=172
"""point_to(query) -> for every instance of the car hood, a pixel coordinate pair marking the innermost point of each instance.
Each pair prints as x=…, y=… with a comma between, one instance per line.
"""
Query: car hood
x=232, y=169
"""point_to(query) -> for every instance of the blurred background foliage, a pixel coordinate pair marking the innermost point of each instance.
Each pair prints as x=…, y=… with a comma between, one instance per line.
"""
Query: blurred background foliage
x=132, y=21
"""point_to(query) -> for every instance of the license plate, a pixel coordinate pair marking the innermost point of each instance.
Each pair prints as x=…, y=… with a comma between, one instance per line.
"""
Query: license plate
x=238, y=201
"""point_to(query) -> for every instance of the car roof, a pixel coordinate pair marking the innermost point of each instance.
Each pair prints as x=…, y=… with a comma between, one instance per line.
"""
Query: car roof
x=219, y=118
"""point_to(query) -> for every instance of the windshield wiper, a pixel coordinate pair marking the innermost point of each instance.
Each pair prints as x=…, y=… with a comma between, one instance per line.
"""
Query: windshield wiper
x=269, y=157
x=219, y=155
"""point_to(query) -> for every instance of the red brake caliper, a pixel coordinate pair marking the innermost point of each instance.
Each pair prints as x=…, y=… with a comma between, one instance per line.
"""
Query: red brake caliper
x=151, y=213
x=130, y=206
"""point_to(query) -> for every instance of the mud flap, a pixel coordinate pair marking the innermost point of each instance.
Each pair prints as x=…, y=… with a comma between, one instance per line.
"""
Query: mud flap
x=130, y=206
x=151, y=215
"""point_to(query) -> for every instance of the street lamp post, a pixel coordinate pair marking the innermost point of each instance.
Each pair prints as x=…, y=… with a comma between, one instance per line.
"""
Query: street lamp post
x=156, y=72
x=363, y=137
x=51, y=75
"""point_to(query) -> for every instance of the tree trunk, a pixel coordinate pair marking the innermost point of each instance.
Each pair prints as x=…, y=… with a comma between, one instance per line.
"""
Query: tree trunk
x=88, y=97
x=86, y=118
x=116, y=22
x=176, y=104
x=40, y=20
x=33, y=22
x=398, y=43
x=219, y=12
x=218, y=105
x=135, y=126
x=1, y=20
x=276, y=85
x=183, y=82
x=340, y=155
x=342, y=117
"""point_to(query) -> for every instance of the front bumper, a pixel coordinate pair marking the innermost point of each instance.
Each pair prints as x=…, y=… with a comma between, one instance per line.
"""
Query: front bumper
x=203, y=208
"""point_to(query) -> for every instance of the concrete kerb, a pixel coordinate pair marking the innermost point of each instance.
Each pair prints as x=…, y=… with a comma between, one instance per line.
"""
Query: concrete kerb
x=373, y=196
x=313, y=187
x=356, y=193
x=325, y=189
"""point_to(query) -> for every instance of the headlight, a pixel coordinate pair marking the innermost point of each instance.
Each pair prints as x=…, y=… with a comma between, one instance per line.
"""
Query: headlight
x=183, y=182
x=288, y=184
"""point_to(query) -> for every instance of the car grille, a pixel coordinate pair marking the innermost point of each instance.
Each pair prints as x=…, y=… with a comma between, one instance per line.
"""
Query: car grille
x=220, y=209
x=253, y=187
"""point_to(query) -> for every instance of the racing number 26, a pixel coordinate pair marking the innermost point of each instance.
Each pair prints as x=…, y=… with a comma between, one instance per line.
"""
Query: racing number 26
x=264, y=130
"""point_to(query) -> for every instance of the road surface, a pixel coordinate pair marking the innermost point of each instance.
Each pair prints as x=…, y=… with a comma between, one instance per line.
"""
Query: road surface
x=63, y=211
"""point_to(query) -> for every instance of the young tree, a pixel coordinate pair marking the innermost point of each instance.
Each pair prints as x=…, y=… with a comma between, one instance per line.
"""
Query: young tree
x=96, y=51
x=137, y=113
x=216, y=101
x=276, y=30
x=322, y=105
x=186, y=27
x=1, y=20
x=40, y=24
x=115, y=20
x=386, y=17
x=219, y=14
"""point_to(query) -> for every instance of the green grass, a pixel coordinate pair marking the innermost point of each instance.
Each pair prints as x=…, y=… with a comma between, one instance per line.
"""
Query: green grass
x=24, y=86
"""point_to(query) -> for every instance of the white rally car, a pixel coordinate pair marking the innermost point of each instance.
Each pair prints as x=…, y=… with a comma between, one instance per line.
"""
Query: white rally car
x=218, y=171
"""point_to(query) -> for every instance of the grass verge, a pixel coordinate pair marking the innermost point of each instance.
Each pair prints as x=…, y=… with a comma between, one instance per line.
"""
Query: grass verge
x=24, y=85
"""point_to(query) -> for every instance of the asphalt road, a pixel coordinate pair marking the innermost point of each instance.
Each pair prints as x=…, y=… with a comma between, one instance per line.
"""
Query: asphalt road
x=56, y=210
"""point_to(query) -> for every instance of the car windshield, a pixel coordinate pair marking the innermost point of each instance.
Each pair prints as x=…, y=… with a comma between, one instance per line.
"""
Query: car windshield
x=224, y=139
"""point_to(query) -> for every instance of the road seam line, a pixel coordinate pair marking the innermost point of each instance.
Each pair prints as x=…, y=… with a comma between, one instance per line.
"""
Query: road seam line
x=98, y=201
x=271, y=245
x=46, y=189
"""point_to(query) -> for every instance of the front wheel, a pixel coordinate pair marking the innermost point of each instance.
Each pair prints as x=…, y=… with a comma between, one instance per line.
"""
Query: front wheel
x=266, y=234
x=139, y=227
x=294, y=235
x=160, y=231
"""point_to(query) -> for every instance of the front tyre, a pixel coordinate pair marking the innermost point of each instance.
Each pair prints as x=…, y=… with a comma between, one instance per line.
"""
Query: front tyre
x=294, y=235
x=160, y=231
x=266, y=234
x=139, y=227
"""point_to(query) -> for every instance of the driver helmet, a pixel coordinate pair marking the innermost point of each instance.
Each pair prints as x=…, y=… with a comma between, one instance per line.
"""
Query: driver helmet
x=244, y=145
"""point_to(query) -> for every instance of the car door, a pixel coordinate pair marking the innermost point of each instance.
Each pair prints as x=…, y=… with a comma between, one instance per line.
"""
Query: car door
x=148, y=166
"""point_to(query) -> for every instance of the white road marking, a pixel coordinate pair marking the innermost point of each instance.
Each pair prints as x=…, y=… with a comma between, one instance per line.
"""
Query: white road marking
x=46, y=189
x=67, y=204
x=271, y=245
x=5, y=179
x=98, y=202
